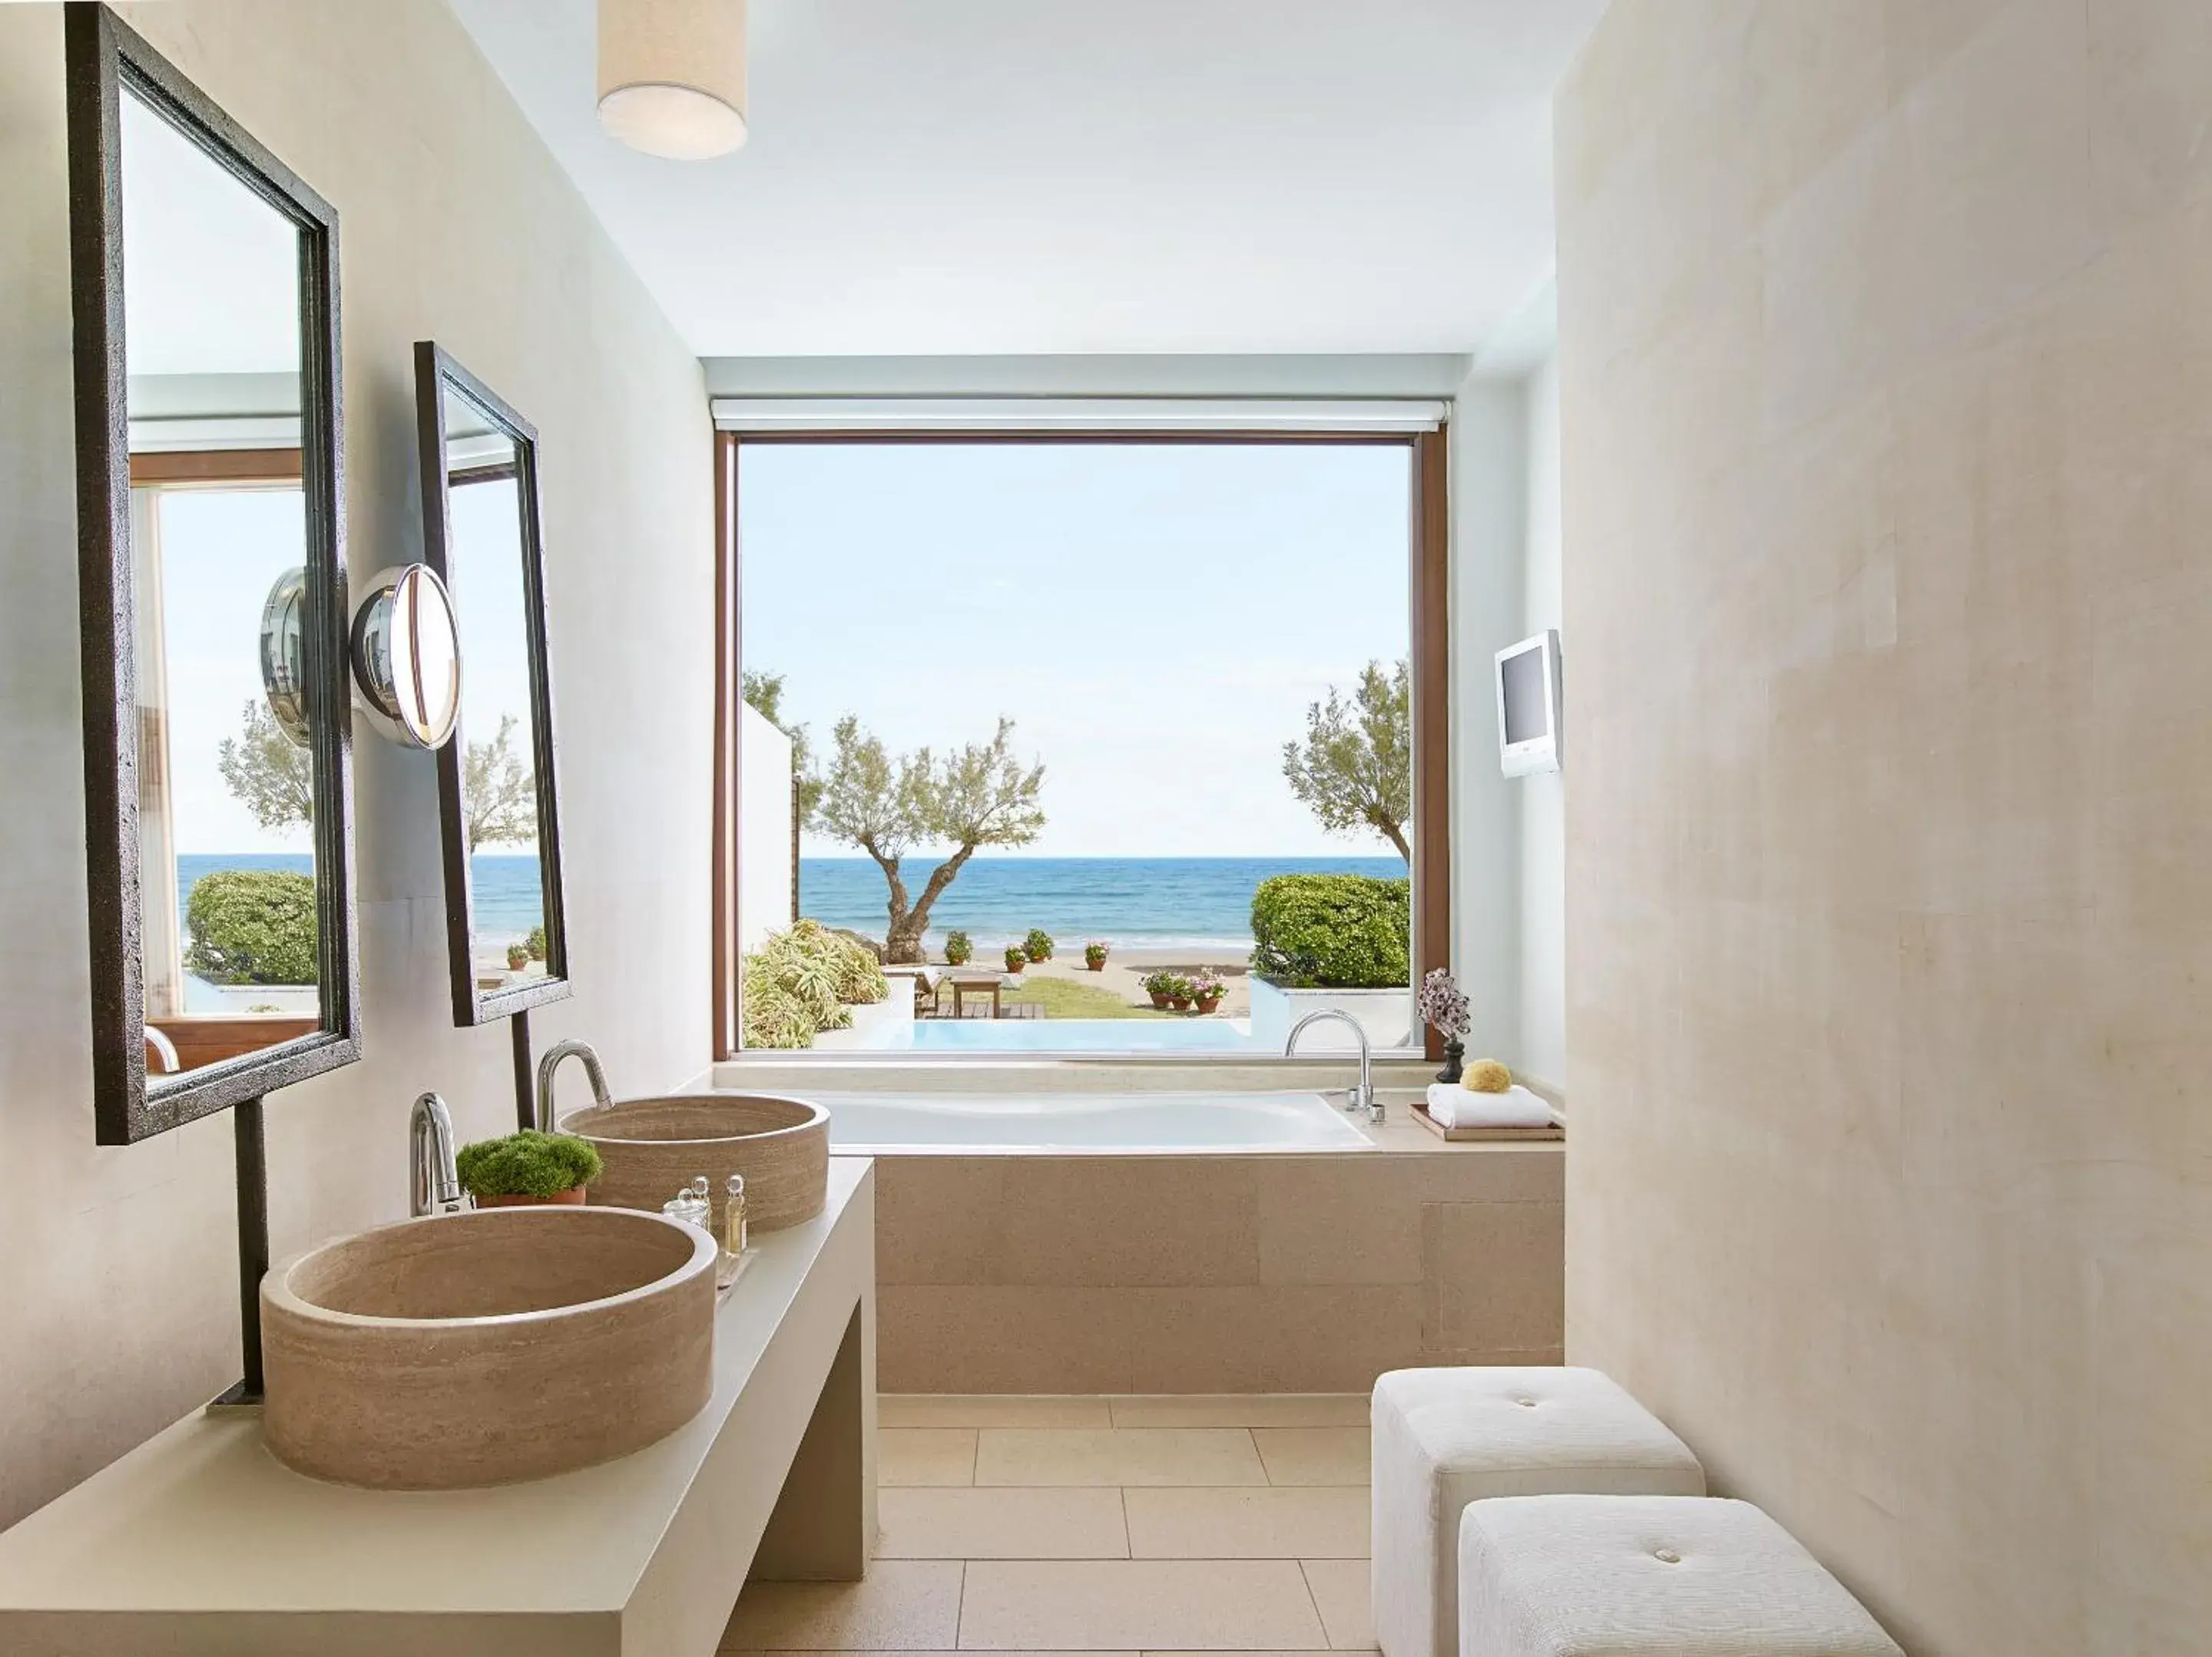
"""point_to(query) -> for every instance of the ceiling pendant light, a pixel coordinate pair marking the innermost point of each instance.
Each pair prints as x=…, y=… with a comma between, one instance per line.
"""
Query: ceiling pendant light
x=673, y=75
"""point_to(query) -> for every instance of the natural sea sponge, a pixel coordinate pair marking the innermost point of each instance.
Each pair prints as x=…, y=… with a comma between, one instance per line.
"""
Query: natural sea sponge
x=1487, y=1076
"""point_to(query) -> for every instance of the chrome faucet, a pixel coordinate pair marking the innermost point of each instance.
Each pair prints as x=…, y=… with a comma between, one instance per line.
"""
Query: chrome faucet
x=435, y=1183
x=551, y=1062
x=1363, y=1093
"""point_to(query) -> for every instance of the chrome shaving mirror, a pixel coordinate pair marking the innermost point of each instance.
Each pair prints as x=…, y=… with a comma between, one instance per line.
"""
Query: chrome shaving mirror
x=211, y=553
x=499, y=803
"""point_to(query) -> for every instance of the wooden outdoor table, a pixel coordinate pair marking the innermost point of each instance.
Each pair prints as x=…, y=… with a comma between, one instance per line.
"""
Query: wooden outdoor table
x=978, y=980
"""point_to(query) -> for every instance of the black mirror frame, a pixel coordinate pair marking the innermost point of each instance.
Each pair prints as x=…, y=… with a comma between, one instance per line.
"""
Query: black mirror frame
x=435, y=370
x=104, y=58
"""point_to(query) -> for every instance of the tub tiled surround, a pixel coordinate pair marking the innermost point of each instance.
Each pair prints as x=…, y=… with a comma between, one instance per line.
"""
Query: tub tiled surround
x=1042, y=1274
x=1131, y=1525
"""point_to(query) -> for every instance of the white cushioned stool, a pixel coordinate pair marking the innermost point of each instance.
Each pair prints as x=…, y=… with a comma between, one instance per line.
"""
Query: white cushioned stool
x=1444, y=1438
x=1649, y=1577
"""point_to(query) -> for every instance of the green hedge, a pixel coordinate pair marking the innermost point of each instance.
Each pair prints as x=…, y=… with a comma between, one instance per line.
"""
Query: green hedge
x=253, y=927
x=1334, y=932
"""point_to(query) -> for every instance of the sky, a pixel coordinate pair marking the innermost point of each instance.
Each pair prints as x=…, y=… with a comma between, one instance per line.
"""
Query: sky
x=1155, y=618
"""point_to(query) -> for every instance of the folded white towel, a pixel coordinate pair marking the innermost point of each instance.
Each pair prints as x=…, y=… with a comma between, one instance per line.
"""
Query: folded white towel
x=1459, y=1106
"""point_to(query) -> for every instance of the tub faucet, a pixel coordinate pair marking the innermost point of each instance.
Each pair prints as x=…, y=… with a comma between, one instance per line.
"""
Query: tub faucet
x=434, y=1186
x=1363, y=1093
x=551, y=1062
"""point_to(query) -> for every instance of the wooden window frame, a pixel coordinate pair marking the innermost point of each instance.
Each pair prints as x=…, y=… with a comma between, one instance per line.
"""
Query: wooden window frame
x=1429, y=656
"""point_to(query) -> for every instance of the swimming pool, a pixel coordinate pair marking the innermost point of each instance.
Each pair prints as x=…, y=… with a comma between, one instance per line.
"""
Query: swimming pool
x=1067, y=1036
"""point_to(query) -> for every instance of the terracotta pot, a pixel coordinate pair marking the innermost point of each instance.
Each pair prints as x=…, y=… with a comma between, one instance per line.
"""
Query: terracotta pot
x=574, y=1194
x=1180, y=1003
x=1207, y=1004
x=1016, y=966
x=1095, y=966
x=1159, y=1000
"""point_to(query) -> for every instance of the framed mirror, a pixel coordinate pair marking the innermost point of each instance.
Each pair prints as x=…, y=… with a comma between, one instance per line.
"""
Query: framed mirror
x=498, y=794
x=211, y=578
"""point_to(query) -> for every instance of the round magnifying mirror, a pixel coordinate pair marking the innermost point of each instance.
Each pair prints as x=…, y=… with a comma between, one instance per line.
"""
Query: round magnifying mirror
x=284, y=652
x=406, y=649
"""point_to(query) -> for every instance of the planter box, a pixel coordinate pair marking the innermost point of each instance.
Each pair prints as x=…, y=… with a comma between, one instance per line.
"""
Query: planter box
x=872, y=1023
x=1387, y=1016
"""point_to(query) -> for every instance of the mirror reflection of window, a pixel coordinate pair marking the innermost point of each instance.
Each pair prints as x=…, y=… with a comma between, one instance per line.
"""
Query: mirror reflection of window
x=217, y=523
x=498, y=778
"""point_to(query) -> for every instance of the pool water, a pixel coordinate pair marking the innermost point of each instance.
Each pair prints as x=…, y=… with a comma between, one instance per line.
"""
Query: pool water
x=1069, y=1035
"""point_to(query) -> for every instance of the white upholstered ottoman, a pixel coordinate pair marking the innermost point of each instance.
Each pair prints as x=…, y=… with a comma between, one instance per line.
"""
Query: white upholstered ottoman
x=1444, y=1438
x=1649, y=1577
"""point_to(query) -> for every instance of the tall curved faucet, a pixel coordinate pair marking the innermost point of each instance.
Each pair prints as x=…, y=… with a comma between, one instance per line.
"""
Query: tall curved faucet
x=551, y=1062
x=1363, y=1093
x=435, y=1183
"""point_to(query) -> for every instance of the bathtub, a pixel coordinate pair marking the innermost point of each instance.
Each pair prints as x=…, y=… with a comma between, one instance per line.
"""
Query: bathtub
x=1106, y=1123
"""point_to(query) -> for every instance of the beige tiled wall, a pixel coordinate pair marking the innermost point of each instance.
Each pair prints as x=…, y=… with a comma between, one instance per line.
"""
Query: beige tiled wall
x=1207, y=1274
x=1885, y=344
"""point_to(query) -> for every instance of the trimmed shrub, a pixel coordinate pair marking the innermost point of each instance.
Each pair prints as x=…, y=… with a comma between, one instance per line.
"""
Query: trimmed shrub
x=1037, y=946
x=253, y=927
x=1334, y=932
x=526, y=1164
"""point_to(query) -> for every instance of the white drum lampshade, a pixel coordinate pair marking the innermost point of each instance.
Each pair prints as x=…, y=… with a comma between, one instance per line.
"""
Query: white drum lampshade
x=673, y=75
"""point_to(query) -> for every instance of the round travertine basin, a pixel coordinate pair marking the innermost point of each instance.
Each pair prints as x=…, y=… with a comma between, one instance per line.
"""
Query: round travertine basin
x=652, y=1147
x=482, y=1348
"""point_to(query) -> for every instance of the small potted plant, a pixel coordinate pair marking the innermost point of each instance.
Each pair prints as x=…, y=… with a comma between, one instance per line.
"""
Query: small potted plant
x=1016, y=958
x=1157, y=986
x=1094, y=955
x=518, y=958
x=527, y=1169
x=1206, y=992
x=535, y=942
x=1037, y=946
x=957, y=949
x=1444, y=1008
x=1179, y=990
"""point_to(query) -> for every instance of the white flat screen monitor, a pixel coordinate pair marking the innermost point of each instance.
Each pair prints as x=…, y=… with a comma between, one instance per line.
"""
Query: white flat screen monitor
x=1528, y=706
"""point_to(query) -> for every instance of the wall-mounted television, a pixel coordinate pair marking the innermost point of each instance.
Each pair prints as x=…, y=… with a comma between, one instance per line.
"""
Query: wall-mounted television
x=1528, y=706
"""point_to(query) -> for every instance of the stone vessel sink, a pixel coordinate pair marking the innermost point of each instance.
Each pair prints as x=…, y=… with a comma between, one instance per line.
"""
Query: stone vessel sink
x=650, y=1147
x=482, y=1348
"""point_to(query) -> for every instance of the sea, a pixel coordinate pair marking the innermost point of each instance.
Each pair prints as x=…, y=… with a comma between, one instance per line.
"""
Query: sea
x=1133, y=903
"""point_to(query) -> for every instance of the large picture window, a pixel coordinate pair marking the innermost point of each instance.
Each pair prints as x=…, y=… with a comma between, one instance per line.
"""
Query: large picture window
x=1126, y=745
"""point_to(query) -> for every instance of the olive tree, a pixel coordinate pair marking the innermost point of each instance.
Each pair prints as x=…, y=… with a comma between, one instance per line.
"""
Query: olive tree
x=266, y=772
x=889, y=805
x=1355, y=769
x=501, y=791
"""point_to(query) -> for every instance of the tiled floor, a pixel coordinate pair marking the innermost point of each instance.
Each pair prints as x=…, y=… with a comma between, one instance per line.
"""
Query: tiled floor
x=1161, y=1526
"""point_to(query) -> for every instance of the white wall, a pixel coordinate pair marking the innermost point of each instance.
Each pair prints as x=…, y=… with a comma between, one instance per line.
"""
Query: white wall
x=1489, y=489
x=1543, y=1044
x=118, y=1287
x=765, y=874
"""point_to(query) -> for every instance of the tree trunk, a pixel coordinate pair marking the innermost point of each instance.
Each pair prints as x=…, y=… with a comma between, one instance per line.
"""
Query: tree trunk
x=902, y=936
x=1397, y=836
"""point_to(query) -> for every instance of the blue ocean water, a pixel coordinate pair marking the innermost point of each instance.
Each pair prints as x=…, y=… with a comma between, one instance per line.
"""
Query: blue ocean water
x=508, y=895
x=1136, y=903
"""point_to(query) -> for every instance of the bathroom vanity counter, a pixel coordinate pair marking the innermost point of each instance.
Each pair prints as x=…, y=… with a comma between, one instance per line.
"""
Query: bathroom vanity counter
x=201, y=1543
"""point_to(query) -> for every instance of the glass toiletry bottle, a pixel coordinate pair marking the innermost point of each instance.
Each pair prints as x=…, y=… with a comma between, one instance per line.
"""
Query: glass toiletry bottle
x=688, y=1206
x=733, y=1217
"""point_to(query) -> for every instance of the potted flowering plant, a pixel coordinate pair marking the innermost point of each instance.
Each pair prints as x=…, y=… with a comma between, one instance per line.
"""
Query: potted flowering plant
x=1444, y=1008
x=1159, y=986
x=1037, y=946
x=518, y=958
x=1094, y=955
x=957, y=949
x=1179, y=995
x=1207, y=991
x=1016, y=958
x=527, y=1169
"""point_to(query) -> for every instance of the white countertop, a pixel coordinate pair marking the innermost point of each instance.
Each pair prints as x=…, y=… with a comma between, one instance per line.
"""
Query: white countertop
x=202, y=1518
